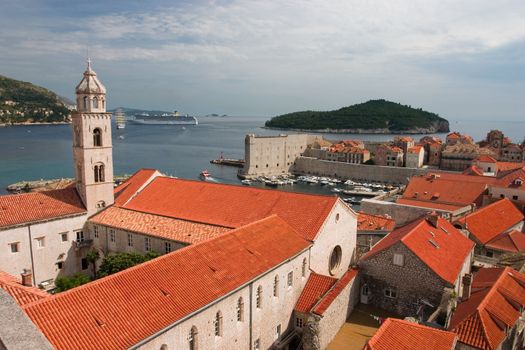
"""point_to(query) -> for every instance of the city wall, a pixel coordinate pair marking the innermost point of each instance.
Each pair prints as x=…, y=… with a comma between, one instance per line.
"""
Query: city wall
x=374, y=173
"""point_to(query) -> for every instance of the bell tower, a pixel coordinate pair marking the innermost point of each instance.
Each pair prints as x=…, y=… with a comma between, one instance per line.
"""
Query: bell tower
x=92, y=145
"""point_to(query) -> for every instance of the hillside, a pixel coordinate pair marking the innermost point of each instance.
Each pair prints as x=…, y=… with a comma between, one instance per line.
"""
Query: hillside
x=22, y=102
x=375, y=116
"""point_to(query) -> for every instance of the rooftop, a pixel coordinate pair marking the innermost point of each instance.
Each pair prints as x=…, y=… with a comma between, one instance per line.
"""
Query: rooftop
x=120, y=310
x=131, y=186
x=488, y=222
x=367, y=222
x=443, y=248
x=157, y=226
x=20, y=293
x=513, y=241
x=18, y=209
x=400, y=334
x=497, y=295
x=231, y=206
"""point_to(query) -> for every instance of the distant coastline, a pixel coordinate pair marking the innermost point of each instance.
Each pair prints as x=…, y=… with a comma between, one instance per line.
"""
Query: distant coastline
x=385, y=131
x=31, y=123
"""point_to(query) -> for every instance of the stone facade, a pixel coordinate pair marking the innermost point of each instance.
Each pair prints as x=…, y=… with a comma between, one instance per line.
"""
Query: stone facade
x=415, y=157
x=273, y=155
x=387, y=155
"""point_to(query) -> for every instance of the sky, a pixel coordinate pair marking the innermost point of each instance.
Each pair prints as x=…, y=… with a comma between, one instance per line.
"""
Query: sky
x=464, y=60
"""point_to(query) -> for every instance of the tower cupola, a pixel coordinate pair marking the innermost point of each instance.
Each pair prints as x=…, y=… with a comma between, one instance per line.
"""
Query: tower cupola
x=91, y=93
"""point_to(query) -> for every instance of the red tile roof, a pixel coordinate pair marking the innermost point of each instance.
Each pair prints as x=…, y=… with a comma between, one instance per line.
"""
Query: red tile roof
x=488, y=222
x=20, y=293
x=405, y=335
x=232, y=206
x=496, y=292
x=421, y=237
x=316, y=287
x=157, y=226
x=486, y=159
x=452, y=190
x=129, y=188
x=334, y=292
x=429, y=205
x=513, y=241
x=506, y=166
x=367, y=222
x=415, y=149
x=473, y=170
x=17, y=209
x=120, y=310
x=454, y=135
x=510, y=179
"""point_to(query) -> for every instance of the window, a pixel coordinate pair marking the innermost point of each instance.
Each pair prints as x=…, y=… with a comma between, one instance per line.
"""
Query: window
x=98, y=173
x=167, y=247
x=390, y=293
x=60, y=265
x=337, y=217
x=278, y=331
x=84, y=264
x=112, y=235
x=95, y=102
x=95, y=231
x=399, y=259
x=85, y=102
x=14, y=247
x=335, y=259
x=276, y=286
x=299, y=322
x=303, y=269
x=80, y=236
x=130, y=240
x=290, y=278
x=515, y=198
x=502, y=196
x=97, y=137
x=257, y=344
x=63, y=237
x=193, y=338
x=218, y=324
x=40, y=243
x=147, y=244
x=489, y=254
x=258, y=297
x=240, y=310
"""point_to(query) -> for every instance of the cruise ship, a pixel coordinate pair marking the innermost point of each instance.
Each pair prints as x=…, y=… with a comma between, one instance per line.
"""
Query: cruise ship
x=164, y=119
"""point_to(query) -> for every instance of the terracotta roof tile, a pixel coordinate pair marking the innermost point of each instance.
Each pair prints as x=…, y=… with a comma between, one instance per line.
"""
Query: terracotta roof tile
x=514, y=179
x=429, y=205
x=367, y=222
x=513, y=241
x=415, y=149
x=488, y=222
x=400, y=334
x=486, y=159
x=232, y=206
x=494, y=291
x=20, y=293
x=334, y=292
x=128, y=188
x=506, y=166
x=421, y=237
x=120, y=310
x=17, y=209
x=473, y=170
x=316, y=287
x=157, y=226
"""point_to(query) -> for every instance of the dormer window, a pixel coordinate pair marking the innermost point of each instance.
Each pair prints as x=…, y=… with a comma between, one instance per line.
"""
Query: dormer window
x=518, y=182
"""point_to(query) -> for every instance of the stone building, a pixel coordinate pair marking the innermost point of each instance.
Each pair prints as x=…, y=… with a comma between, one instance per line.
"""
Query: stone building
x=404, y=142
x=490, y=227
x=273, y=155
x=44, y=232
x=348, y=152
x=432, y=146
x=388, y=155
x=491, y=315
x=456, y=138
x=371, y=229
x=429, y=248
x=415, y=157
x=511, y=185
x=460, y=156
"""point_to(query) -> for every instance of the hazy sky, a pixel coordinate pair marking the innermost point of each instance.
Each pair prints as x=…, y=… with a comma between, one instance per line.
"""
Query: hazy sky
x=463, y=59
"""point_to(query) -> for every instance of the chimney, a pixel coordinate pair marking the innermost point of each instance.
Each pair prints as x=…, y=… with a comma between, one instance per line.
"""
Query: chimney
x=27, y=278
x=467, y=286
x=433, y=219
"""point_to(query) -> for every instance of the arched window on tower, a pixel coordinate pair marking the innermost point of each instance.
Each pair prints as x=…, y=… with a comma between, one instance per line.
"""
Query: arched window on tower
x=97, y=137
x=193, y=339
x=102, y=102
x=85, y=103
x=99, y=173
x=95, y=102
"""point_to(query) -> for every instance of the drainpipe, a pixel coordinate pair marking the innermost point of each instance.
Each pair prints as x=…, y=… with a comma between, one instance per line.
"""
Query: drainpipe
x=251, y=311
x=31, y=254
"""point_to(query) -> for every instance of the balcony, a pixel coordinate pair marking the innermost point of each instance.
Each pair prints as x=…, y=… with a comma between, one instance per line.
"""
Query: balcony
x=86, y=243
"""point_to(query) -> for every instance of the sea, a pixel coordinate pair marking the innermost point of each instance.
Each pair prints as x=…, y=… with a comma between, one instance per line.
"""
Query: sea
x=45, y=151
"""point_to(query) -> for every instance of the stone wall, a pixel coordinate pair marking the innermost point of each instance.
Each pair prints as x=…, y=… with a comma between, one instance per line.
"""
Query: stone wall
x=374, y=173
x=379, y=273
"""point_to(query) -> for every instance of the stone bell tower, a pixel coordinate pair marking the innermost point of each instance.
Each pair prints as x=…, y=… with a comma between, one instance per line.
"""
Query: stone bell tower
x=92, y=145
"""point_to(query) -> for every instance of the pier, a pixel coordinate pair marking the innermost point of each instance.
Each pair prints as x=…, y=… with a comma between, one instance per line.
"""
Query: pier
x=239, y=163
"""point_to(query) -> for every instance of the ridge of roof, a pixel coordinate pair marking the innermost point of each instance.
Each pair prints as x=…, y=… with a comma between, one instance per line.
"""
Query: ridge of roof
x=328, y=298
x=21, y=294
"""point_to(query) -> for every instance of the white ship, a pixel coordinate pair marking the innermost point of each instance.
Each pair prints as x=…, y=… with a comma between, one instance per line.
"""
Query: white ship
x=165, y=119
x=120, y=119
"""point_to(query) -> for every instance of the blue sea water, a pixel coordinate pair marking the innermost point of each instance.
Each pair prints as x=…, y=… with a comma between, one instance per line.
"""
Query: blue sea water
x=45, y=151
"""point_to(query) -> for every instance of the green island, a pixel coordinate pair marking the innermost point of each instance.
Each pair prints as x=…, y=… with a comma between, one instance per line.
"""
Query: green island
x=24, y=103
x=374, y=116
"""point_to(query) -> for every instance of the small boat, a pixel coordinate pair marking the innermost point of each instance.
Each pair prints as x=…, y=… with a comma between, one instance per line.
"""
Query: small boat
x=204, y=174
x=121, y=137
x=336, y=190
x=246, y=182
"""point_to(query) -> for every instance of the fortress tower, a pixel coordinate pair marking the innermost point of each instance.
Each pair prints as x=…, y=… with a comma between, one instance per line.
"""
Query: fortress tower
x=92, y=145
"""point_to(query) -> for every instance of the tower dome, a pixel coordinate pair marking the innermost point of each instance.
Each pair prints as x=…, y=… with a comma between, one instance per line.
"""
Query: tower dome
x=90, y=83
